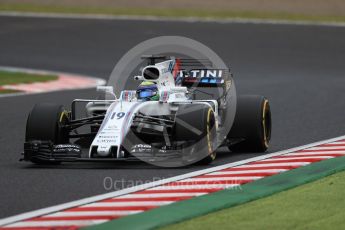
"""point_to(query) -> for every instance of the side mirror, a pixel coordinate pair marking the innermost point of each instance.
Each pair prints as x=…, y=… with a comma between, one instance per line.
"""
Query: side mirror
x=179, y=89
x=139, y=78
x=106, y=90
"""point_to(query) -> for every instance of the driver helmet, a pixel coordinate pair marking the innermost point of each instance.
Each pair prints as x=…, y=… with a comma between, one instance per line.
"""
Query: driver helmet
x=148, y=91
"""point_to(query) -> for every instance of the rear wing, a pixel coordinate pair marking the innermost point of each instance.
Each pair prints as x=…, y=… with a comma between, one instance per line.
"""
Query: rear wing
x=203, y=77
x=192, y=73
x=201, y=73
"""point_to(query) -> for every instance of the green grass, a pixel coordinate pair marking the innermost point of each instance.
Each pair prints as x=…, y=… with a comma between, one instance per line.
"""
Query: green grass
x=201, y=13
x=7, y=91
x=316, y=205
x=10, y=78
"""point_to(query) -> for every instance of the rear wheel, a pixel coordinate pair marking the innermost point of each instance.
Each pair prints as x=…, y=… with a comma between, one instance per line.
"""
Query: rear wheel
x=252, y=124
x=45, y=123
x=195, y=123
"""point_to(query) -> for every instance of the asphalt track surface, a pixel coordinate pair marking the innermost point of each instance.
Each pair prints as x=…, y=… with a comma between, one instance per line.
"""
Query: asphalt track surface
x=301, y=69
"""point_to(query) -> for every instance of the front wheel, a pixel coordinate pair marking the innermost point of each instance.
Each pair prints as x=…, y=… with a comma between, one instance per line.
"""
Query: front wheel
x=195, y=123
x=45, y=123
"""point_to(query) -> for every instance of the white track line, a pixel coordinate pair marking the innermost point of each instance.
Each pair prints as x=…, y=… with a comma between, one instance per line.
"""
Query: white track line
x=247, y=172
x=92, y=213
x=325, y=152
x=300, y=157
x=313, y=153
x=170, y=19
x=84, y=201
x=56, y=223
x=339, y=142
x=161, y=195
x=278, y=164
x=297, y=158
x=327, y=148
x=220, y=178
x=193, y=186
x=127, y=204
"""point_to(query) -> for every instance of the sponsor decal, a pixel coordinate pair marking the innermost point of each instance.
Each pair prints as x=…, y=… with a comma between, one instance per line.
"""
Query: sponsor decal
x=171, y=66
x=201, y=73
x=104, y=141
x=203, y=76
x=107, y=137
x=66, y=147
x=164, y=96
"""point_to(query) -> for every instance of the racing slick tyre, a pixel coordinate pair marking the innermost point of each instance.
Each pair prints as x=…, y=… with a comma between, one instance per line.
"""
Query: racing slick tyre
x=195, y=123
x=252, y=124
x=44, y=123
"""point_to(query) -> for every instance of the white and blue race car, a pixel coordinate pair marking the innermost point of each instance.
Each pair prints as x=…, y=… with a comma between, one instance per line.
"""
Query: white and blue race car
x=194, y=114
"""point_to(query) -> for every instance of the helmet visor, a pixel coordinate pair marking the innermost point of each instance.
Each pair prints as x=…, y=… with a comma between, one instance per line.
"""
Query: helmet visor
x=144, y=93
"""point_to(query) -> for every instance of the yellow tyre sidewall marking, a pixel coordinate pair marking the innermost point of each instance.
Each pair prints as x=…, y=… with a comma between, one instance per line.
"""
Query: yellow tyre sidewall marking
x=64, y=113
x=265, y=107
x=209, y=141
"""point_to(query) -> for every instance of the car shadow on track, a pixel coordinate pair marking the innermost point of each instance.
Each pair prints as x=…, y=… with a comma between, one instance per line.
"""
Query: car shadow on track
x=223, y=157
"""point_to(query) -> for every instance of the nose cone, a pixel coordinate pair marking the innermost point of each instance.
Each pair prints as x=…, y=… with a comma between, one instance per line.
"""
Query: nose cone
x=103, y=151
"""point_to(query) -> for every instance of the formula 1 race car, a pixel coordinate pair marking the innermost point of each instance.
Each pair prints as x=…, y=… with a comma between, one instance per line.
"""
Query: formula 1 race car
x=177, y=127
